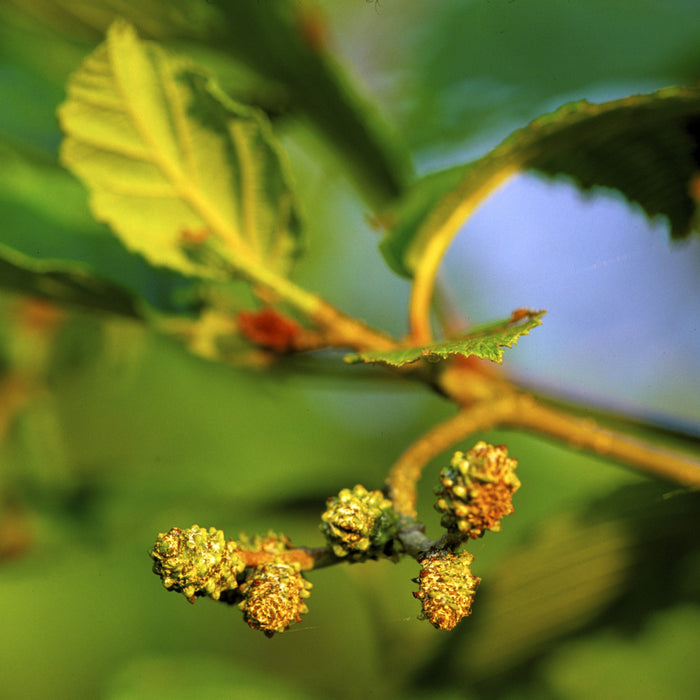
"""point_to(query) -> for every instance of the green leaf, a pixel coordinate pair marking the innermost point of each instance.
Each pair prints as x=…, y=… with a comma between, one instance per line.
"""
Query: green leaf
x=407, y=215
x=164, y=154
x=485, y=342
x=645, y=146
x=47, y=229
x=281, y=63
x=66, y=283
x=519, y=56
x=284, y=42
x=159, y=19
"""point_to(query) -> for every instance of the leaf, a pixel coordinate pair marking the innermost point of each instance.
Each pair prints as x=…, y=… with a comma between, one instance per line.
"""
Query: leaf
x=282, y=46
x=66, y=283
x=522, y=55
x=485, y=342
x=159, y=19
x=164, y=154
x=645, y=146
x=47, y=230
x=285, y=43
x=405, y=217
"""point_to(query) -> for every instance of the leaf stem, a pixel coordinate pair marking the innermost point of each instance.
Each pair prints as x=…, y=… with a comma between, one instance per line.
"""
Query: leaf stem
x=337, y=328
x=443, y=225
x=345, y=331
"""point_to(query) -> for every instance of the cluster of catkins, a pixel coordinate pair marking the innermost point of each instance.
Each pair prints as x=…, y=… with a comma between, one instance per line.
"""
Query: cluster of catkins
x=264, y=578
x=199, y=562
x=476, y=492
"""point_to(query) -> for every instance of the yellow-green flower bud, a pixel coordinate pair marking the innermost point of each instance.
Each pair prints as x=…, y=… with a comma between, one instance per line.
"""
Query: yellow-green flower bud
x=273, y=596
x=358, y=523
x=477, y=490
x=197, y=562
x=446, y=588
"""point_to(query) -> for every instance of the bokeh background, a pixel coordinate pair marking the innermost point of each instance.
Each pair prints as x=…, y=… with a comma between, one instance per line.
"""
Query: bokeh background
x=112, y=433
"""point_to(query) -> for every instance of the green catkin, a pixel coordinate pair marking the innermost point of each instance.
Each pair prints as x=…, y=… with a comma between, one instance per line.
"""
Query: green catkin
x=358, y=523
x=197, y=562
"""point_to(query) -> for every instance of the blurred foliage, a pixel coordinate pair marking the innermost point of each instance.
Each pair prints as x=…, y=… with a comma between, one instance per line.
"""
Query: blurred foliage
x=647, y=147
x=526, y=58
x=111, y=433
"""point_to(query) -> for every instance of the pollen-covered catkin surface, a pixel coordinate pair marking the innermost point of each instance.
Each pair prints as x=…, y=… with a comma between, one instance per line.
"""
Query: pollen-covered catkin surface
x=273, y=596
x=446, y=588
x=197, y=562
x=476, y=490
x=358, y=523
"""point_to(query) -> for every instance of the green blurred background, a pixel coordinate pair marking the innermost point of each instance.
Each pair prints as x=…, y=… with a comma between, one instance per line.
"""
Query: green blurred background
x=112, y=433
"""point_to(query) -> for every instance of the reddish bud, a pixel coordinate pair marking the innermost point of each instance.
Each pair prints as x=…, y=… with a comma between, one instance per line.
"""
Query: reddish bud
x=269, y=329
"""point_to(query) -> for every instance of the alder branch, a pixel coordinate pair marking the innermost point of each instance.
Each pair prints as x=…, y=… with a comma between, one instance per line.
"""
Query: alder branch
x=523, y=411
x=406, y=471
x=585, y=433
x=336, y=328
x=487, y=401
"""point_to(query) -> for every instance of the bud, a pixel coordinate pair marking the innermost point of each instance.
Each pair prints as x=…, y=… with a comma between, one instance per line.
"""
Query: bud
x=477, y=490
x=273, y=596
x=197, y=562
x=358, y=523
x=446, y=588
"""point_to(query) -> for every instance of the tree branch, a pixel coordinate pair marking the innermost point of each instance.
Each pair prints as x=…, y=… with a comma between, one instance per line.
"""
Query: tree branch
x=406, y=471
x=520, y=410
x=585, y=433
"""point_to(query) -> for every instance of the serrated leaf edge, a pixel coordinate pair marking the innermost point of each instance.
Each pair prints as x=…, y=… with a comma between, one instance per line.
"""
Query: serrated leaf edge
x=433, y=352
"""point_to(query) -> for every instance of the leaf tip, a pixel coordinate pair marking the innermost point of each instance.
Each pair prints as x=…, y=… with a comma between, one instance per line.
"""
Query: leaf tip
x=120, y=27
x=527, y=315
